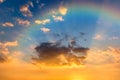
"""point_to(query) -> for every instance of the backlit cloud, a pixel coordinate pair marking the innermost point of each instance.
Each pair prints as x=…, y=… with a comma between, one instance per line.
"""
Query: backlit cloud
x=7, y=24
x=25, y=10
x=45, y=21
x=45, y=29
x=63, y=10
x=23, y=22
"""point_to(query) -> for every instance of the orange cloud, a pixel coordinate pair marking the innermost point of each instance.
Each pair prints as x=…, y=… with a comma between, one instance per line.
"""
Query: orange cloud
x=8, y=24
x=23, y=22
x=25, y=10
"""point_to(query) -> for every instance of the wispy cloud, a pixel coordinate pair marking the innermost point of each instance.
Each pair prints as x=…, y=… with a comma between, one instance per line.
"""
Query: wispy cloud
x=2, y=32
x=25, y=10
x=58, y=18
x=8, y=24
x=98, y=37
x=114, y=38
x=30, y=3
x=45, y=21
x=23, y=22
x=45, y=29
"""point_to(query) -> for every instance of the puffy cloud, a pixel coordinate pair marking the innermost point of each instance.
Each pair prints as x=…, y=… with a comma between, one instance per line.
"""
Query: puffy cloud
x=58, y=18
x=45, y=29
x=63, y=10
x=25, y=10
x=42, y=21
x=55, y=53
x=8, y=24
x=98, y=37
x=23, y=22
x=4, y=51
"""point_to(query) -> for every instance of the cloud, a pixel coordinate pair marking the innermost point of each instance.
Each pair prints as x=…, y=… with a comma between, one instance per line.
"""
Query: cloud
x=2, y=32
x=4, y=51
x=25, y=10
x=55, y=53
x=58, y=18
x=30, y=3
x=98, y=37
x=109, y=56
x=62, y=10
x=43, y=22
x=114, y=38
x=45, y=29
x=1, y=1
x=8, y=24
x=11, y=44
x=41, y=5
x=23, y=22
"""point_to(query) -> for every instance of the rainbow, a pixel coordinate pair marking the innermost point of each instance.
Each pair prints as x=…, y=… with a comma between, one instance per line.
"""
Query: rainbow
x=105, y=11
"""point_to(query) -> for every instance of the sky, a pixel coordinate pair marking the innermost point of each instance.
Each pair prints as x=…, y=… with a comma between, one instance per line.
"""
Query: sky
x=91, y=24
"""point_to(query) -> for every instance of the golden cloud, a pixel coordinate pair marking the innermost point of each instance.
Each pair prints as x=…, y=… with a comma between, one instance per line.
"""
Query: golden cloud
x=42, y=21
x=62, y=10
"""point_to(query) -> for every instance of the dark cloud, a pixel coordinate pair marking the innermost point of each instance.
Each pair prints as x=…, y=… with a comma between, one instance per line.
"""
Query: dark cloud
x=3, y=58
x=58, y=54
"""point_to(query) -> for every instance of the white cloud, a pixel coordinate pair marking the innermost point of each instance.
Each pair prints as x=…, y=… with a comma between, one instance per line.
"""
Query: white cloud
x=114, y=38
x=58, y=18
x=63, y=10
x=25, y=10
x=7, y=24
x=42, y=21
x=98, y=37
x=23, y=22
x=45, y=29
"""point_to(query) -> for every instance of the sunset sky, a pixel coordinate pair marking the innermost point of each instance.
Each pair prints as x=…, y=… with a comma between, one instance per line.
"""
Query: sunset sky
x=92, y=24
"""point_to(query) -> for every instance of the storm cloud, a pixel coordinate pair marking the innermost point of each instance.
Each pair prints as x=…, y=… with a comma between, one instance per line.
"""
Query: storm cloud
x=57, y=53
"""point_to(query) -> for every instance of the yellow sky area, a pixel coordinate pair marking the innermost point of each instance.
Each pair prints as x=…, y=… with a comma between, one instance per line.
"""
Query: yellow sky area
x=19, y=70
x=100, y=65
